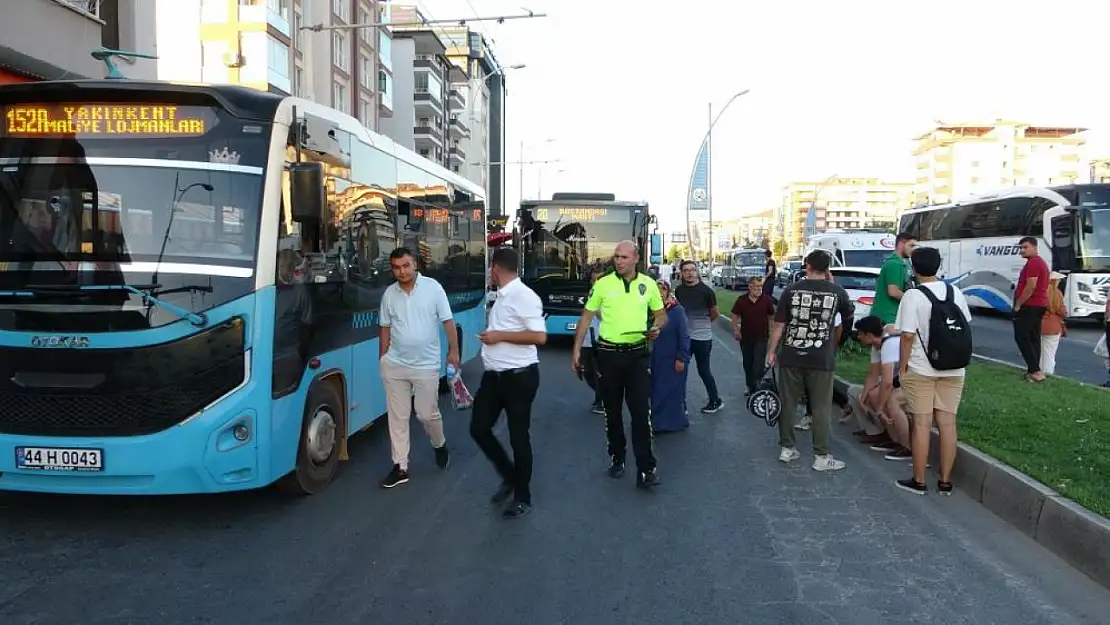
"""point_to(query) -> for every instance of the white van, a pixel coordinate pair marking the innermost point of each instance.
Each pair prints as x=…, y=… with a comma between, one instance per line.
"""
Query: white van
x=854, y=248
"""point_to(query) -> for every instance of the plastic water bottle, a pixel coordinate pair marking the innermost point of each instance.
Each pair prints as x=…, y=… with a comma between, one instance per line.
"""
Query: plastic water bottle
x=451, y=371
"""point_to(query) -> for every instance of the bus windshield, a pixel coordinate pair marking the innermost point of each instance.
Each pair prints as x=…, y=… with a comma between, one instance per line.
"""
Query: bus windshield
x=95, y=195
x=749, y=259
x=567, y=243
x=1094, y=246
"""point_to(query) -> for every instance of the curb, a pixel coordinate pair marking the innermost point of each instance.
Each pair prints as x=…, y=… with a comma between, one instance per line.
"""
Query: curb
x=1075, y=534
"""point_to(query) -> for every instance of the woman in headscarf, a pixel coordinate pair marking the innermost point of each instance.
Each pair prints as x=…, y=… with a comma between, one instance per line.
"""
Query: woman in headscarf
x=670, y=356
x=1052, y=324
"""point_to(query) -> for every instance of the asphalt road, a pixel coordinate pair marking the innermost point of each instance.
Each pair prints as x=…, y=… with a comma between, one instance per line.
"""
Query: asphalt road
x=732, y=536
x=1075, y=358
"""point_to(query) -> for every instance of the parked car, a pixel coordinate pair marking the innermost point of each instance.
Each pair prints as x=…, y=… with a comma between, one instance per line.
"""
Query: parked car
x=859, y=282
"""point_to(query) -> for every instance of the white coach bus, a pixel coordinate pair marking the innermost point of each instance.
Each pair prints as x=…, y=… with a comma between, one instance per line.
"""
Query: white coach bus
x=978, y=239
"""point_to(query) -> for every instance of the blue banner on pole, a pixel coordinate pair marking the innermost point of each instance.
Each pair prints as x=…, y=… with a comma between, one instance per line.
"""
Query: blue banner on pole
x=698, y=195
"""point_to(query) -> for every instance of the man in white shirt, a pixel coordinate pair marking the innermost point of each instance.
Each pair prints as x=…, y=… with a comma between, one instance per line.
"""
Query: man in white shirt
x=512, y=377
x=932, y=394
x=880, y=399
x=413, y=310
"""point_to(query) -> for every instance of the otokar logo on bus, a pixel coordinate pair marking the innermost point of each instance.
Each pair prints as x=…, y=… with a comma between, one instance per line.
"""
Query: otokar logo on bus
x=64, y=342
x=997, y=250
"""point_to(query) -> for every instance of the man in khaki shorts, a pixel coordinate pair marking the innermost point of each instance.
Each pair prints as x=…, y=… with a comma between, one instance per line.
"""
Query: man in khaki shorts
x=933, y=395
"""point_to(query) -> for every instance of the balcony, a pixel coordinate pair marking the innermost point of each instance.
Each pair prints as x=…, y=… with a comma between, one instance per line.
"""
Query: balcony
x=458, y=156
x=424, y=99
x=423, y=61
x=458, y=128
x=455, y=100
x=427, y=135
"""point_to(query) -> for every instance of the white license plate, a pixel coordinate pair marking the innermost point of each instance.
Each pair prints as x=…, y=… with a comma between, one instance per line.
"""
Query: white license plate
x=59, y=459
x=572, y=326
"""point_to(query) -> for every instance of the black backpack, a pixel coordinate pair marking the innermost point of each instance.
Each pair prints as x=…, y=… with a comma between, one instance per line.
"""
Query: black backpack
x=949, y=332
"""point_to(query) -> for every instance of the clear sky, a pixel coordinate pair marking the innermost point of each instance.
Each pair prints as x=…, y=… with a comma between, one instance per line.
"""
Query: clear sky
x=622, y=87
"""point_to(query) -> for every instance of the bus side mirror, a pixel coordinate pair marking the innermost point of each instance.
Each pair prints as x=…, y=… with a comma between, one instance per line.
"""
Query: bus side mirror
x=306, y=192
x=1085, y=221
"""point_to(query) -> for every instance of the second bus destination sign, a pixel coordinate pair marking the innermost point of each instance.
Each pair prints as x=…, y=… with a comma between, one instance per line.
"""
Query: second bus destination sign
x=104, y=120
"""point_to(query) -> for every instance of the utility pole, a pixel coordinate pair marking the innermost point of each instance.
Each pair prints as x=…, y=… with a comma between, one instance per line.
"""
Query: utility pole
x=709, y=186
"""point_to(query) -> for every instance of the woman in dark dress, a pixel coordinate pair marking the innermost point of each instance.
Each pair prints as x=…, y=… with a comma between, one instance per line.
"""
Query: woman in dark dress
x=670, y=357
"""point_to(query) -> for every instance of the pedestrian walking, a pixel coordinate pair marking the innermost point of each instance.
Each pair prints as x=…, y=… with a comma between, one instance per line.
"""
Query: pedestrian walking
x=894, y=279
x=700, y=303
x=1052, y=324
x=1030, y=302
x=670, y=357
x=752, y=316
x=413, y=310
x=626, y=300
x=589, y=355
x=805, y=324
x=770, y=274
x=936, y=346
x=510, y=381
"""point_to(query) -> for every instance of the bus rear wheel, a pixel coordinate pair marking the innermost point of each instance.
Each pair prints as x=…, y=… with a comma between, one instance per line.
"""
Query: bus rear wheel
x=318, y=450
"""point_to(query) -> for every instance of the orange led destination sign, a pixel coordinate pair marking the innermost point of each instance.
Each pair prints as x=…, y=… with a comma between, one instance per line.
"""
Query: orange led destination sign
x=128, y=120
x=584, y=214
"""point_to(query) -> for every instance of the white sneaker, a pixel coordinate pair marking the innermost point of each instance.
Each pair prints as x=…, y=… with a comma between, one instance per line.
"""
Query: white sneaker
x=789, y=454
x=827, y=463
x=804, y=424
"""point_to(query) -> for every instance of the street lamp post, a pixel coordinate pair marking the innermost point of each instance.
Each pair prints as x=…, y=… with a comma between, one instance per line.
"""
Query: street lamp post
x=709, y=195
x=484, y=84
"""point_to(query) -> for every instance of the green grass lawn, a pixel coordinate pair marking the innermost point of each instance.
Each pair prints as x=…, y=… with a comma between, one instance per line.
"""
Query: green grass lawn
x=1057, y=432
x=725, y=300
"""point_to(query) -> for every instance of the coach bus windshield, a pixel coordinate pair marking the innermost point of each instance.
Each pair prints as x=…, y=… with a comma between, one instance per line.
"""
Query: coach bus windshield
x=162, y=198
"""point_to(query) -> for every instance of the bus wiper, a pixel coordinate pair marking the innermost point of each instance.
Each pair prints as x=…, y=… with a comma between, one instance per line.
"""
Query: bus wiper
x=142, y=290
x=197, y=319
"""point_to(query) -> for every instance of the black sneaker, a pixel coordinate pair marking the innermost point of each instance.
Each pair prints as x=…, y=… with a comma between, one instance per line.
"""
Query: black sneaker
x=443, y=457
x=516, y=510
x=900, y=454
x=912, y=486
x=616, y=468
x=888, y=446
x=713, y=406
x=944, y=488
x=598, y=408
x=647, y=479
x=396, y=477
x=502, y=494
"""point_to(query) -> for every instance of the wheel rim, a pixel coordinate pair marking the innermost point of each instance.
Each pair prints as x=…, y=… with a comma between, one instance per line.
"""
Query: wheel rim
x=321, y=435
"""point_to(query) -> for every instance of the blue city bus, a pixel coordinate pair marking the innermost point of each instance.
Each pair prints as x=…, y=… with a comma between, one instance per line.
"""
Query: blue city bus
x=190, y=280
x=561, y=240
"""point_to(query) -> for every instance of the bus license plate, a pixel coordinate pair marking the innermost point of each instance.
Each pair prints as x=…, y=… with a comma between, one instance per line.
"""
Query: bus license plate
x=59, y=459
x=572, y=326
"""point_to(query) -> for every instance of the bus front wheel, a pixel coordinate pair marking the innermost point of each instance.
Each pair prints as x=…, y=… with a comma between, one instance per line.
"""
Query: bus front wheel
x=318, y=450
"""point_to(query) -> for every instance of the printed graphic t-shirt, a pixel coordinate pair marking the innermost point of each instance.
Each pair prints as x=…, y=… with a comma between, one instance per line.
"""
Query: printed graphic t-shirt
x=809, y=308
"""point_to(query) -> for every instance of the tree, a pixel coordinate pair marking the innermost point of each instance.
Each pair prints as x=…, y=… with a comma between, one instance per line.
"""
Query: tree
x=678, y=251
x=779, y=248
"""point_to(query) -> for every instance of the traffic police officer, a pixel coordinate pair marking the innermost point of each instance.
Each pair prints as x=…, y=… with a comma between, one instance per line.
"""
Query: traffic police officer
x=626, y=300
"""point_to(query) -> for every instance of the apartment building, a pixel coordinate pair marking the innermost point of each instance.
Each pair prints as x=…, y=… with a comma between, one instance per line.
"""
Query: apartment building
x=959, y=160
x=840, y=203
x=466, y=131
x=264, y=44
x=425, y=99
x=28, y=52
x=1100, y=171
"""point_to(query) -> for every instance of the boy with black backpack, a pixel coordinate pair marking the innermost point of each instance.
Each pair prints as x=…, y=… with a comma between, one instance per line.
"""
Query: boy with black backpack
x=936, y=348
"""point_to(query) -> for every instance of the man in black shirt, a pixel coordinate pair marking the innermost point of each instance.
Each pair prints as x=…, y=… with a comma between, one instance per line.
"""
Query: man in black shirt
x=771, y=272
x=805, y=322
